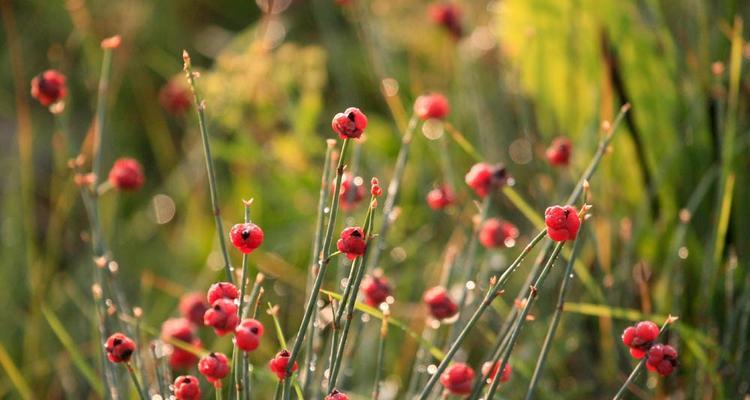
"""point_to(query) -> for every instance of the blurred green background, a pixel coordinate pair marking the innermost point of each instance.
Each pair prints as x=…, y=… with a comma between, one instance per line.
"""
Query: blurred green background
x=670, y=232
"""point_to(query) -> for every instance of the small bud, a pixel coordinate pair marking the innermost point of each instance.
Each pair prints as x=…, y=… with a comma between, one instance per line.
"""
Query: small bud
x=111, y=43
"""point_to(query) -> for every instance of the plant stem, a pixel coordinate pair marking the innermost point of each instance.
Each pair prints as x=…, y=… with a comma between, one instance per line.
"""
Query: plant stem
x=639, y=366
x=163, y=386
x=101, y=114
x=381, y=356
x=219, y=394
x=137, y=384
x=493, y=292
x=243, y=283
x=200, y=107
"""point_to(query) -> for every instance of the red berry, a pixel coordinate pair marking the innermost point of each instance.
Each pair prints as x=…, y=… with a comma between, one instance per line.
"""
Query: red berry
x=640, y=338
x=375, y=189
x=484, y=178
x=647, y=331
x=222, y=316
x=187, y=387
x=375, y=289
x=174, y=97
x=246, y=237
x=440, y=197
x=181, y=359
x=49, y=87
x=496, y=233
x=558, y=153
x=279, y=363
x=562, y=223
x=178, y=328
x=126, y=174
x=214, y=366
x=448, y=15
x=352, y=191
x=505, y=377
x=247, y=334
x=352, y=242
x=433, y=105
x=119, y=348
x=336, y=395
x=350, y=124
x=637, y=353
x=458, y=379
x=628, y=335
x=662, y=358
x=193, y=306
x=441, y=306
x=222, y=290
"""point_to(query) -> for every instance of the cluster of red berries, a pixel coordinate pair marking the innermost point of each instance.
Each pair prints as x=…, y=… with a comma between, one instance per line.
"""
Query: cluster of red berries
x=562, y=222
x=349, y=124
x=458, y=378
x=352, y=242
x=641, y=339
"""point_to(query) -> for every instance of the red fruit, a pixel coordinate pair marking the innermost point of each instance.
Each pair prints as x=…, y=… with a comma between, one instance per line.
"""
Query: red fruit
x=181, y=359
x=496, y=233
x=558, y=153
x=222, y=290
x=222, y=316
x=279, y=363
x=214, y=366
x=187, y=387
x=484, y=178
x=246, y=237
x=505, y=377
x=247, y=334
x=350, y=124
x=440, y=197
x=458, y=379
x=433, y=105
x=375, y=189
x=352, y=242
x=447, y=15
x=441, y=306
x=375, y=289
x=193, y=306
x=646, y=331
x=562, y=222
x=351, y=193
x=49, y=87
x=174, y=97
x=178, y=328
x=126, y=174
x=119, y=348
x=336, y=395
x=640, y=338
x=662, y=358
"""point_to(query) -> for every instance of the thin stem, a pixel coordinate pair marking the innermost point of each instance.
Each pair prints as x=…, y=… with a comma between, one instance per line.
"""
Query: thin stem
x=163, y=391
x=381, y=356
x=137, y=384
x=236, y=361
x=200, y=107
x=219, y=394
x=493, y=292
x=101, y=113
x=639, y=366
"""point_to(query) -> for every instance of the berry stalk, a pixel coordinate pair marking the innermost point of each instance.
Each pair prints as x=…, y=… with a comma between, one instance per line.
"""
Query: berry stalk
x=381, y=355
x=637, y=370
x=137, y=384
x=236, y=360
x=200, y=107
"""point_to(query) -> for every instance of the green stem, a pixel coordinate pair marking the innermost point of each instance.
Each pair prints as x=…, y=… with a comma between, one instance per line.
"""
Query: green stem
x=381, y=358
x=638, y=367
x=219, y=394
x=137, y=384
x=101, y=113
x=243, y=283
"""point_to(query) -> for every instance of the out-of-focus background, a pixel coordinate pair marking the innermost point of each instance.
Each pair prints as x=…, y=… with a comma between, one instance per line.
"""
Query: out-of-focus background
x=669, y=233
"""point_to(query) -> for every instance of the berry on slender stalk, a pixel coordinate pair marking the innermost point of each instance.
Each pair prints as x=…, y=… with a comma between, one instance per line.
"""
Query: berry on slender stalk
x=187, y=387
x=458, y=378
x=119, y=348
x=126, y=174
x=222, y=290
x=431, y=106
x=558, y=153
x=246, y=237
x=375, y=289
x=247, y=334
x=336, y=395
x=440, y=305
x=174, y=97
x=178, y=328
x=352, y=242
x=447, y=15
x=504, y=377
x=350, y=124
x=662, y=358
x=640, y=338
x=484, y=178
x=562, y=222
x=222, y=316
x=495, y=233
x=352, y=191
x=440, y=197
x=192, y=306
x=215, y=367
x=278, y=365
x=49, y=87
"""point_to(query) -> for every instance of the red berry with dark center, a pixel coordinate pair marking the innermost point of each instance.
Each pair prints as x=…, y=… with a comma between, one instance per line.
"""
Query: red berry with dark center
x=440, y=305
x=496, y=233
x=222, y=316
x=662, y=358
x=350, y=124
x=49, y=87
x=178, y=328
x=119, y=348
x=246, y=237
x=431, y=106
x=193, y=306
x=352, y=242
x=485, y=178
x=214, y=366
x=375, y=289
x=352, y=191
x=222, y=290
x=126, y=174
x=336, y=395
x=181, y=359
x=174, y=97
x=279, y=363
x=440, y=197
x=504, y=377
x=447, y=15
x=562, y=223
x=558, y=153
x=458, y=379
x=187, y=387
x=247, y=334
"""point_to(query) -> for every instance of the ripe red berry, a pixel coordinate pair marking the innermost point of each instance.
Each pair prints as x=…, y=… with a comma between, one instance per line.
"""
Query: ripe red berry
x=352, y=191
x=187, y=387
x=375, y=189
x=192, y=306
x=441, y=306
x=352, y=242
x=458, y=379
x=119, y=348
x=181, y=359
x=562, y=222
x=375, y=289
x=433, y=105
x=440, y=197
x=447, y=15
x=279, y=363
x=214, y=366
x=350, y=124
x=126, y=174
x=178, y=328
x=504, y=377
x=662, y=358
x=247, y=334
x=246, y=237
x=222, y=290
x=640, y=338
x=222, y=316
x=174, y=97
x=558, y=153
x=49, y=87
x=496, y=233
x=484, y=178
x=336, y=395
